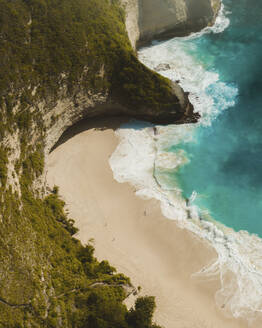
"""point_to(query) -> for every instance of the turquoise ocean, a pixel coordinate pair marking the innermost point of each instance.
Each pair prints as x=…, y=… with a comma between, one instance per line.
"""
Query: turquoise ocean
x=225, y=161
x=209, y=175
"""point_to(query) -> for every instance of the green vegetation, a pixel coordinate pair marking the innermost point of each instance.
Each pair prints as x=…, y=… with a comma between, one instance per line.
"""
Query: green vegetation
x=51, y=49
x=62, y=281
x=77, y=44
x=141, y=316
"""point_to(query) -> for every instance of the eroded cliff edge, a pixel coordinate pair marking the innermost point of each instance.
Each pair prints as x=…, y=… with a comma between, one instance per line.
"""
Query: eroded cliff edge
x=61, y=61
x=148, y=19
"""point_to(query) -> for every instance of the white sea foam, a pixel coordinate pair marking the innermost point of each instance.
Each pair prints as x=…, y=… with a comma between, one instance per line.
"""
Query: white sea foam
x=142, y=159
x=192, y=76
x=239, y=263
x=222, y=22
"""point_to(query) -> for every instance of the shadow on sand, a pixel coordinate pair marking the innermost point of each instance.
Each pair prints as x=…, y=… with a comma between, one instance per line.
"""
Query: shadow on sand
x=103, y=123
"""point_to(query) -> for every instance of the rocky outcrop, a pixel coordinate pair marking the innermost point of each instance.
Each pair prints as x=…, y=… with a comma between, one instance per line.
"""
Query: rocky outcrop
x=59, y=116
x=147, y=19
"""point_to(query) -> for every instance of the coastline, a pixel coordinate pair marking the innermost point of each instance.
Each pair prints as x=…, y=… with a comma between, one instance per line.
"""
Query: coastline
x=239, y=253
x=132, y=233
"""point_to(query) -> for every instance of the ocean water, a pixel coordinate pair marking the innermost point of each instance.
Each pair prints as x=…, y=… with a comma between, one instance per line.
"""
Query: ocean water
x=208, y=176
x=225, y=167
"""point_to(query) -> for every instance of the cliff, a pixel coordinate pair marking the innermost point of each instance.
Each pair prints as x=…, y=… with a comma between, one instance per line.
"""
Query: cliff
x=61, y=61
x=148, y=19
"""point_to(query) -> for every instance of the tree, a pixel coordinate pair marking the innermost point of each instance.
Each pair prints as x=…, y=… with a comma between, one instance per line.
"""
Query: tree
x=141, y=316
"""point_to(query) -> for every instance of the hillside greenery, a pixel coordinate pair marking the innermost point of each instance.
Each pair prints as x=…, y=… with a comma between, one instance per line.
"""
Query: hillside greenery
x=72, y=43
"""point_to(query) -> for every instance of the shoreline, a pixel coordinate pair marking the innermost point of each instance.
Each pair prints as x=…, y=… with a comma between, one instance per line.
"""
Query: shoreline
x=239, y=257
x=132, y=233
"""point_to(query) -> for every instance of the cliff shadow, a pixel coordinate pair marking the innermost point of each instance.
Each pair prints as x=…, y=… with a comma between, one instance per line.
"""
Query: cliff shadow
x=85, y=124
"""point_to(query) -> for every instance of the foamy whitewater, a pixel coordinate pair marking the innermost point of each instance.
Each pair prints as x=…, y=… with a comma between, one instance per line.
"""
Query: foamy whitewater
x=143, y=159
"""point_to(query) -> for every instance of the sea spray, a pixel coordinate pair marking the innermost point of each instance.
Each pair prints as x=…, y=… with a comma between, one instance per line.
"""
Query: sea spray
x=143, y=158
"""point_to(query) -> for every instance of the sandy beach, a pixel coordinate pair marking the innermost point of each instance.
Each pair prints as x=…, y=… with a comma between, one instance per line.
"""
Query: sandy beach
x=131, y=233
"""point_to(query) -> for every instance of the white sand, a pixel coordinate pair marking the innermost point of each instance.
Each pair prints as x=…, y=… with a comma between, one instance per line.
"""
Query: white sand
x=132, y=234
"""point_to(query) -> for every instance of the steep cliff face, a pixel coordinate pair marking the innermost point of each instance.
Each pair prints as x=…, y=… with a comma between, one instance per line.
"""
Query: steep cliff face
x=164, y=18
x=132, y=10
x=147, y=19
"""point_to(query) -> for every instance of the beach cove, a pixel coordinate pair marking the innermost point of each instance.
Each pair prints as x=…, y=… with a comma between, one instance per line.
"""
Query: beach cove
x=132, y=233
